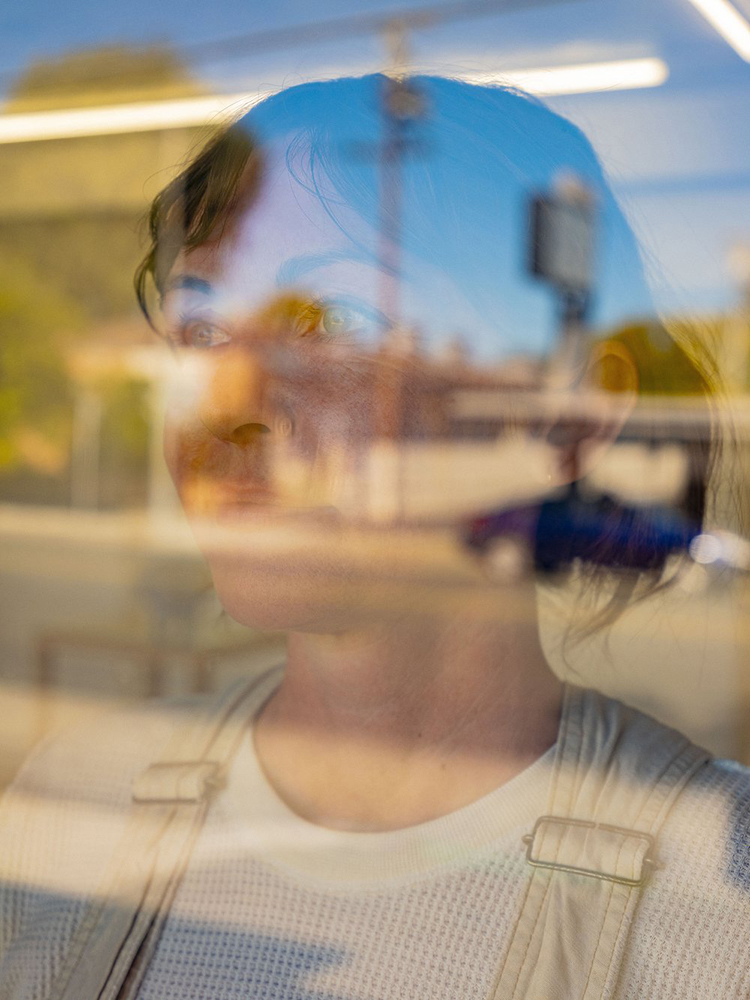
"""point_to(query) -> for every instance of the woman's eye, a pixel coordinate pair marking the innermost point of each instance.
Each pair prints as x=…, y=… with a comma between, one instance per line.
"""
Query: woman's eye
x=202, y=333
x=340, y=320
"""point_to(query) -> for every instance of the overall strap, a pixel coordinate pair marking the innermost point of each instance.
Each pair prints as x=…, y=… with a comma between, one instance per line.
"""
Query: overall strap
x=616, y=773
x=116, y=938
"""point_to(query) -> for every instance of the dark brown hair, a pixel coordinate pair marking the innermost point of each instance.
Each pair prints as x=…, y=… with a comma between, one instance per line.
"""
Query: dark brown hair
x=196, y=205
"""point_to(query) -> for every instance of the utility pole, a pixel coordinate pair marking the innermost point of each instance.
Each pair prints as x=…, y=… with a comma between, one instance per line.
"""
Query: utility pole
x=401, y=108
x=563, y=224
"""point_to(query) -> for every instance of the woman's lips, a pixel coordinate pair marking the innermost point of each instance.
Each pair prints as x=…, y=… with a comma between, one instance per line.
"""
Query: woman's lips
x=250, y=503
x=260, y=496
x=230, y=500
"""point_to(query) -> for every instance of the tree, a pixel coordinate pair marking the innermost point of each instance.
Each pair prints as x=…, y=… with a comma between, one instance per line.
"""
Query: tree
x=35, y=391
x=113, y=74
x=674, y=362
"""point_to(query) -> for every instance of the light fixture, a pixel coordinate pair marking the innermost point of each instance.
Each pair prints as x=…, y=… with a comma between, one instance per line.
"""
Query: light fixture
x=624, y=74
x=728, y=21
x=189, y=112
x=116, y=118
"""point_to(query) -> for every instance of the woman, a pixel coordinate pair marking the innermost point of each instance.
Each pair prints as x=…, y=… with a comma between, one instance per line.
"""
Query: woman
x=418, y=807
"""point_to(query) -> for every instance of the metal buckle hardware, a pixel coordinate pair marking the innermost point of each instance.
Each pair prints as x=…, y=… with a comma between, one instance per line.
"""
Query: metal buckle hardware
x=646, y=863
x=160, y=784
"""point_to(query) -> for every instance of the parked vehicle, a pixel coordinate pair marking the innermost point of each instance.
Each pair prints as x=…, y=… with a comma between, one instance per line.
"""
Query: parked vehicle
x=552, y=535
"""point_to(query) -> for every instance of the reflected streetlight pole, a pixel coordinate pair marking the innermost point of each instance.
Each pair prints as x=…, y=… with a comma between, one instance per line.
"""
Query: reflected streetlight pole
x=402, y=108
x=563, y=228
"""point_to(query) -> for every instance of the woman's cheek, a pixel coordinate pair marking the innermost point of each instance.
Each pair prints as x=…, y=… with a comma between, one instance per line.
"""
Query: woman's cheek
x=187, y=443
x=190, y=453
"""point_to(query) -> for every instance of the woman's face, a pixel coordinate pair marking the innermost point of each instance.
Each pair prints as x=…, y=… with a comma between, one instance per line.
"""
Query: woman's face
x=292, y=427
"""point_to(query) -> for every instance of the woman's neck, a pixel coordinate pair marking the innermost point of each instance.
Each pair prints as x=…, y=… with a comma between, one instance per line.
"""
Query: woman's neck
x=390, y=726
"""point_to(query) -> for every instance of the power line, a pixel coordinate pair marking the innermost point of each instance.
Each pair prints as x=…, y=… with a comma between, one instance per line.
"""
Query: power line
x=354, y=25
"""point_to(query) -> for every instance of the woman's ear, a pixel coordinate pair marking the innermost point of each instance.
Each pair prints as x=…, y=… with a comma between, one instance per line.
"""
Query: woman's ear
x=611, y=369
x=602, y=401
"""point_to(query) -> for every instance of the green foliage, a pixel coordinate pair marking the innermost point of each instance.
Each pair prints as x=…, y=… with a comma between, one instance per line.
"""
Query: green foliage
x=68, y=247
x=89, y=260
x=124, y=442
x=125, y=423
x=107, y=75
x=35, y=392
x=40, y=331
x=668, y=363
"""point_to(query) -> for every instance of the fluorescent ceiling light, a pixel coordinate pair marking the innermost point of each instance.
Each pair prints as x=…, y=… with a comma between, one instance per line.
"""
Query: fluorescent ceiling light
x=625, y=74
x=728, y=21
x=117, y=118
x=585, y=78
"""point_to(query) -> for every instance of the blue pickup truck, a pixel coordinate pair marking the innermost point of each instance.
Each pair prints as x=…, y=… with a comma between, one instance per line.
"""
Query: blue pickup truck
x=602, y=531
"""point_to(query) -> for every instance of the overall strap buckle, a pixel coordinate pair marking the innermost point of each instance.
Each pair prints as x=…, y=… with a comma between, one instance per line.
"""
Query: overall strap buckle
x=175, y=782
x=583, y=847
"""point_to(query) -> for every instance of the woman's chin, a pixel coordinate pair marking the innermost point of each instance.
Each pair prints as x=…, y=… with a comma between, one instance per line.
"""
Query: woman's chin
x=277, y=601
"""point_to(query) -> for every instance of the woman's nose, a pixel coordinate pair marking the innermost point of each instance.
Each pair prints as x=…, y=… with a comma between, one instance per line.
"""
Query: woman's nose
x=235, y=400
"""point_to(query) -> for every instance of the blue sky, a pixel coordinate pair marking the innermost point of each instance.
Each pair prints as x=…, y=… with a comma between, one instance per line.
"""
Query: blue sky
x=41, y=28
x=677, y=155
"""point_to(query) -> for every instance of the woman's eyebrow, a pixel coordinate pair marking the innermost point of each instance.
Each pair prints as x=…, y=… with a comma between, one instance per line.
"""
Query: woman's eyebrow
x=188, y=281
x=294, y=268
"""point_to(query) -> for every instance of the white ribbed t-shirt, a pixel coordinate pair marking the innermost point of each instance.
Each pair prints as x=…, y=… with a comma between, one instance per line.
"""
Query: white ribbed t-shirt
x=275, y=908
